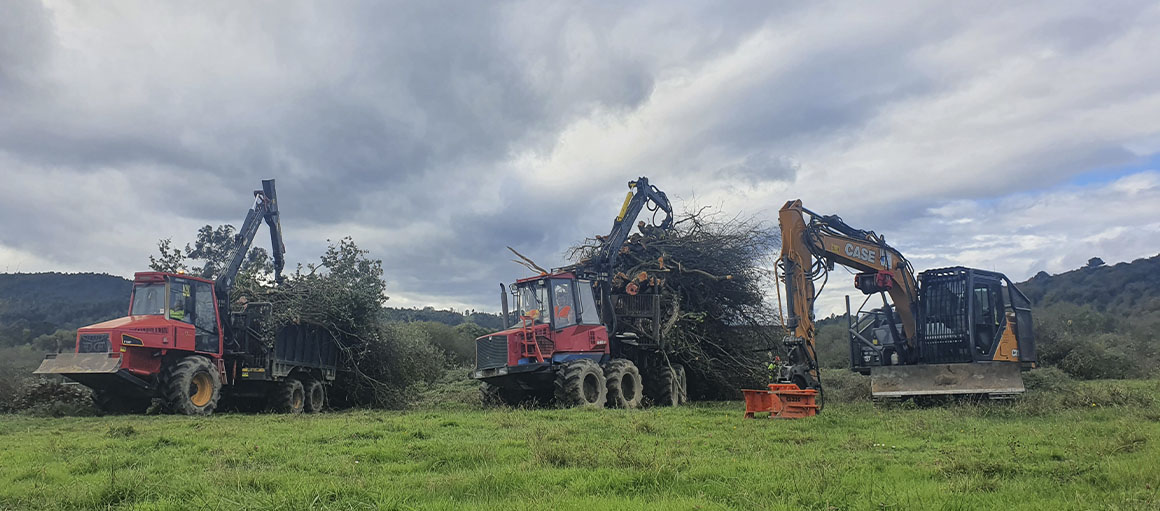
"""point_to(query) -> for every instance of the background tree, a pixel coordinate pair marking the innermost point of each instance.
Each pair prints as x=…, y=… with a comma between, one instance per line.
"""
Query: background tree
x=170, y=259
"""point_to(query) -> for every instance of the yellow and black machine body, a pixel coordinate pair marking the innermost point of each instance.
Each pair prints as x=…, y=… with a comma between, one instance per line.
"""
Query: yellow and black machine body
x=949, y=331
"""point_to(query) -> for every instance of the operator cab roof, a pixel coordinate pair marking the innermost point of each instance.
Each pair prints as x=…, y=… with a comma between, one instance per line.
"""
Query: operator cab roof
x=561, y=275
x=160, y=276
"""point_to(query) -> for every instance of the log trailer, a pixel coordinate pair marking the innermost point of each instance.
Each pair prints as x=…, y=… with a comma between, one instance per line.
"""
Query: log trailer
x=577, y=342
x=950, y=331
x=182, y=343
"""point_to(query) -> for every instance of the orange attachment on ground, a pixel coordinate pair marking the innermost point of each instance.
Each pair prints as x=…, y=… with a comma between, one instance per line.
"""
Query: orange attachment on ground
x=782, y=401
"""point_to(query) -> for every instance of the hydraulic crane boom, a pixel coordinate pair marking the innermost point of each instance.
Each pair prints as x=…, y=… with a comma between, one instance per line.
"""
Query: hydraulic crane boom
x=265, y=208
x=963, y=330
x=634, y=203
x=809, y=248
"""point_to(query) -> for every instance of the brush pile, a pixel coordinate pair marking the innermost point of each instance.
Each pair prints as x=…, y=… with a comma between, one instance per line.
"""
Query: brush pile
x=711, y=274
x=344, y=295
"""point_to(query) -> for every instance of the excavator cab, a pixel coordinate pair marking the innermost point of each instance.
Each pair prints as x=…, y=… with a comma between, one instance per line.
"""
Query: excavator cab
x=974, y=337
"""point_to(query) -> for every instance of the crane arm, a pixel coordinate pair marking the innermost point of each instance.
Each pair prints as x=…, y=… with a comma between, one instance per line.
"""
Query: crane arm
x=265, y=208
x=633, y=204
x=810, y=248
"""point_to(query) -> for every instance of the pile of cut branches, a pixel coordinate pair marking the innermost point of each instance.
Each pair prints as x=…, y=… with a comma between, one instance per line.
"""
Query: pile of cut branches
x=711, y=273
x=344, y=295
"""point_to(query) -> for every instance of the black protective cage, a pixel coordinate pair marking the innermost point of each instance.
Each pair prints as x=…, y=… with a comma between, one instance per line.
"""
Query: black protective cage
x=946, y=319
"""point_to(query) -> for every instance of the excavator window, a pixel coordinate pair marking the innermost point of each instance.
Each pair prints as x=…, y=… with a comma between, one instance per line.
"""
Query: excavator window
x=989, y=315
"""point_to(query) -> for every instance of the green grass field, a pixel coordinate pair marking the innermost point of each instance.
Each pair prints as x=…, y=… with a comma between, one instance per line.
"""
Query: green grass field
x=1097, y=448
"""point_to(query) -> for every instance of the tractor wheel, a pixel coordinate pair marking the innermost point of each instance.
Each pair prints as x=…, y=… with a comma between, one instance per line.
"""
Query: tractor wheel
x=495, y=395
x=624, y=386
x=580, y=383
x=315, y=395
x=288, y=396
x=668, y=386
x=114, y=404
x=191, y=386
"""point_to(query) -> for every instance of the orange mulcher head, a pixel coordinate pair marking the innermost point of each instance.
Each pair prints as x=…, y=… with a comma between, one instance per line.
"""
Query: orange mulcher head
x=782, y=401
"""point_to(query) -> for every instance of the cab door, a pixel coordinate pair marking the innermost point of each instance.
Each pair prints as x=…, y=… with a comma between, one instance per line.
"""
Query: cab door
x=205, y=323
x=181, y=309
x=988, y=317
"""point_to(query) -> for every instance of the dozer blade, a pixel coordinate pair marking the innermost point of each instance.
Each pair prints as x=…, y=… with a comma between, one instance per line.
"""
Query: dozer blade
x=946, y=379
x=78, y=363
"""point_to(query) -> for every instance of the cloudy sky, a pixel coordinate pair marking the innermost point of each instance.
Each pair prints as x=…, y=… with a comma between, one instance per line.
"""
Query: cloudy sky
x=1015, y=136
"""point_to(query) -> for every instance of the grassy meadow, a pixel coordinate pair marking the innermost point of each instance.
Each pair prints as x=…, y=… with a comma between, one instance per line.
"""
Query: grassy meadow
x=1096, y=446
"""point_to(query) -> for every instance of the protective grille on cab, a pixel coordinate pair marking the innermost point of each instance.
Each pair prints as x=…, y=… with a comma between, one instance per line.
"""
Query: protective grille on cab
x=95, y=343
x=490, y=352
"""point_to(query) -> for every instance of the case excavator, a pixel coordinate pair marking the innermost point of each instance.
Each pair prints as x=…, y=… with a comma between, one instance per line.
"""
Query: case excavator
x=949, y=331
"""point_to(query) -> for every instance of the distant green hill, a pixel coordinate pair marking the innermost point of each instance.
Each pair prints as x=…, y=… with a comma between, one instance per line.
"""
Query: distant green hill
x=1129, y=289
x=34, y=304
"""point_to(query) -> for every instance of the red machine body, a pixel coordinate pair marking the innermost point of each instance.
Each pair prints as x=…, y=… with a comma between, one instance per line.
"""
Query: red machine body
x=563, y=343
x=142, y=340
x=181, y=343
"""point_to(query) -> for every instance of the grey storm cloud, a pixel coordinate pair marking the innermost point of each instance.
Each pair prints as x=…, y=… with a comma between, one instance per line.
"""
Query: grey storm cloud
x=438, y=133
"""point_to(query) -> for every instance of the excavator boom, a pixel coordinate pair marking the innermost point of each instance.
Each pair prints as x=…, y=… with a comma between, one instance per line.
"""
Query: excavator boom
x=957, y=333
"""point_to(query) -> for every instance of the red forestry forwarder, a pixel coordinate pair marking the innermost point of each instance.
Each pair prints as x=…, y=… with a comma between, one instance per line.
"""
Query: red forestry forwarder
x=182, y=343
x=576, y=342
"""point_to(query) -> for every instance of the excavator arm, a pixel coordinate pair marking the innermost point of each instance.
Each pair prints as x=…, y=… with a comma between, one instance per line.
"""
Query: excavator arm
x=265, y=208
x=811, y=248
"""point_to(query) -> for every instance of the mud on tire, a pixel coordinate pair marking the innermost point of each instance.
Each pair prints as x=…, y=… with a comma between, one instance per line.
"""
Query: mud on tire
x=288, y=396
x=580, y=383
x=668, y=386
x=315, y=394
x=622, y=379
x=191, y=386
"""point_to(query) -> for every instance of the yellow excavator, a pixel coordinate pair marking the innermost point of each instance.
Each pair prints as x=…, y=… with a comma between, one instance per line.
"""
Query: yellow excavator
x=949, y=331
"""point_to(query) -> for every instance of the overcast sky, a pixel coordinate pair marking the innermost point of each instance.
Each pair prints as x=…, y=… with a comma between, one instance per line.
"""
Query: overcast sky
x=1014, y=136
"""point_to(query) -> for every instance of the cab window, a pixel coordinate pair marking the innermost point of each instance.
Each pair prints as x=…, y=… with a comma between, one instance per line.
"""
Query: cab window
x=148, y=299
x=532, y=301
x=204, y=318
x=563, y=303
x=589, y=315
x=181, y=301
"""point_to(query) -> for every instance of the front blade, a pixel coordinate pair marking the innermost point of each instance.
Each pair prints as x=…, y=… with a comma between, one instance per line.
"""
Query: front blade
x=945, y=379
x=78, y=363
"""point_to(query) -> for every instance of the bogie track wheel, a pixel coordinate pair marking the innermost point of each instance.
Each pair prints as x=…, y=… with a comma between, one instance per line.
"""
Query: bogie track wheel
x=668, y=385
x=315, y=395
x=580, y=383
x=289, y=396
x=624, y=385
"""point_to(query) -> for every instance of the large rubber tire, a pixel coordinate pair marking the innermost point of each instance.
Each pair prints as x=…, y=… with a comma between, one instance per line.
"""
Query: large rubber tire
x=580, y=383
x=315, y=395
x=191, y=386
x=288, y=396
x=495, y=395
x=668, y=386
x=109, y=403
x=625, y=389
